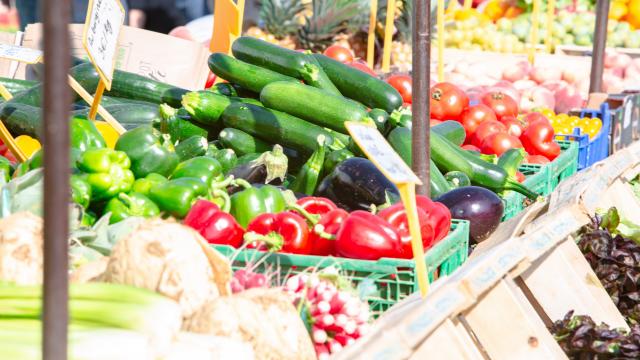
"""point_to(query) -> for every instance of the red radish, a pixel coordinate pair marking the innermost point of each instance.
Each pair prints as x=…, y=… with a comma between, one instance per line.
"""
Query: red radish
x=246, y=278
x=338, y=301
x=344, y=340
x=350, y=327
x=325, y=321
x=322, y=307
x=334, y=346
x=319, y=336
x=322, y=351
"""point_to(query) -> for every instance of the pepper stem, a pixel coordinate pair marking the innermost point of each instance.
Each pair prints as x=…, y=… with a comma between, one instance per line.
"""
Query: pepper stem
x=240, y=182
x=223, y=184
x=311, y=218
x=226, y=201
x=273, y=241
x=318, y=229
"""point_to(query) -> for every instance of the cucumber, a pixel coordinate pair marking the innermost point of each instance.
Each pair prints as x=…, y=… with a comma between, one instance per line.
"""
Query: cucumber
x=281, y=60
x=313, y=104
x=243, y=144
x=249, y=76
x=400, y=140
x=275, y=126
x=15, y=86
x=360, y=86
x=452, y=130
x=192, y=147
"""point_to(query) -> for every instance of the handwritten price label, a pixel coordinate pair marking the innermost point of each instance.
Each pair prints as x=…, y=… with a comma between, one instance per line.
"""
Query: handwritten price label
x=378, y=150
x=100, y=38
x=19, y=53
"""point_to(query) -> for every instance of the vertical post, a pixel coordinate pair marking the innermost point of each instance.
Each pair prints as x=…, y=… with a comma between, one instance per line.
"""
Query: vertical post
x=57, y=103
x=599, y=44
x=421, y=53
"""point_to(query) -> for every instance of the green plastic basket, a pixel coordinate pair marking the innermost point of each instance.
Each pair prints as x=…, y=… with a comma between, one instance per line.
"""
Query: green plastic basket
x=537, y=180
x=394, y=279
x=565, y=165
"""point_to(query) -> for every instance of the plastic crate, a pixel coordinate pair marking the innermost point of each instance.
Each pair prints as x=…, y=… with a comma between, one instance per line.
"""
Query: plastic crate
x=592, y=151
x=537, y=180
x=565, y=165
x=394, y=279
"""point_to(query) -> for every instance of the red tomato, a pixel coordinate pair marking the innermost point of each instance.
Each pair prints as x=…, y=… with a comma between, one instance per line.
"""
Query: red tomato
x=534, y=116
x=484, y=130
x=499, y=143
x=339, y=53
x=514, y=126
x=362, y=66
x=402, y=83
x=471, y=147
x=501, y=103
x=447, y=101
x=474, y=116
x=536, y=159
x=211, y=79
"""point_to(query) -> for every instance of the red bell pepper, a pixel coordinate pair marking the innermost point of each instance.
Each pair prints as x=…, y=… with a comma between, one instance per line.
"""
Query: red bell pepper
x=286, y=231
x=537, y=139
x=368, y=237
x=316, y=205
x=397, y=217
x=438, y=214
x=215, y=225
x=323, y=234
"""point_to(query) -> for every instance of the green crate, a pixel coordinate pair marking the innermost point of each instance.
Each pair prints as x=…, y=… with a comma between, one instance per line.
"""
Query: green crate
x=537, y=180
x=394, y=279
x=565, y=165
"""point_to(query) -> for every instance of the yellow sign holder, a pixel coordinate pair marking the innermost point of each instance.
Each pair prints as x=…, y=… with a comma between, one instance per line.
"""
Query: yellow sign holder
x=371, y=36
x=227, y=25
x=440, y=24
x=388, y=35
x=551, y=12
x=535, y=21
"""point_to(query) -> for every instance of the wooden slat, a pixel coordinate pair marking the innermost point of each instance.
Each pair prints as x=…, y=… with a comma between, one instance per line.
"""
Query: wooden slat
x=450, y=341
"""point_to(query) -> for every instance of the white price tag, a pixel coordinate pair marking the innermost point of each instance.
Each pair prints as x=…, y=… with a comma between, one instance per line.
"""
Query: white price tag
x=19, y=53
x=378, y=150
x=100, y=38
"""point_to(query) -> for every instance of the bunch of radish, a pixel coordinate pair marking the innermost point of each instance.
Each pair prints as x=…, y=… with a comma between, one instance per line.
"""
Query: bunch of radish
x=338, y=318
x=247, y=278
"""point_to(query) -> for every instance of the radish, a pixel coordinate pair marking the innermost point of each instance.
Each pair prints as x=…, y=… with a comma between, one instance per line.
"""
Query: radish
x=319, y=336
x=344, y=339
x=334, y=346
x=325, y=321
x=322, y=307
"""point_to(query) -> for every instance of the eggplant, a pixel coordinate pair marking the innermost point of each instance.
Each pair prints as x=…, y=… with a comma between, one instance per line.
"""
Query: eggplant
x=482, y=207
x=269, y=168
x=355, y=184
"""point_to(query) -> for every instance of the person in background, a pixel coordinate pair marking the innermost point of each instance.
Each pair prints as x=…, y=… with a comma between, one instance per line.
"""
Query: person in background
x=29, y=11
x=155, y=15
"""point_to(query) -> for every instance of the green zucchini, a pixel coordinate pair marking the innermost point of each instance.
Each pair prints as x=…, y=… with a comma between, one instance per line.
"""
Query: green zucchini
x=243, y=144
x=15, y=86
x=313, y=104
x=360, y=86
x=205, y=107
x=128, y=115
x=225, y=89
x=22, y=119
x=452, y=130
x=380, y=118
x=284, y=61
x=192, y=147
x=177, y=124
x=275, y=126
x=249, y=76
x=457, y=179
x=400, y=140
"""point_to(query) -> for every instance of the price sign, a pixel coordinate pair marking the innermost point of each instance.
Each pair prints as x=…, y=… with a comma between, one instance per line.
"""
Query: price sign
x=19, y=53
x=378, y=150
x=227, y=24
x=105, y=19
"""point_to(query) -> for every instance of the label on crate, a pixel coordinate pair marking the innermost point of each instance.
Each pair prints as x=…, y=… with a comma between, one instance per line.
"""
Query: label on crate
x=378, y=150
x=19, y=53
x=100, y=38
x=440, y=306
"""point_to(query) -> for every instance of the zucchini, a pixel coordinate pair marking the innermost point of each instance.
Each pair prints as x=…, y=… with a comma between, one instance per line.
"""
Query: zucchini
x=380, y=118
x=177, y=125
x=15, y=86
x=313, y=104
x=243, y=144
x=225, y=89
x=284, y=61
x=400, y=140
x=275, y=126
x=360, y=86
x=22, y=119
x=452, y=130
x=249, y=76
x=192, y=147
x=206, y=107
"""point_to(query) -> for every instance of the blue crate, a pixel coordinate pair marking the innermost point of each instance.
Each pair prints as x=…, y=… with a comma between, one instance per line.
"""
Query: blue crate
x=590, y=152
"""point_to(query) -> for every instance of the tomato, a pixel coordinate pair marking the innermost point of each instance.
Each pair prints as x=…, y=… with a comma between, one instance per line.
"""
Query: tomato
x=474, y=116
x=402, y=83
x=499, y=143
x=536, y=159
x=362, y=66
x=471, y=147
x=514, y=126
x=339, y=53
x=534, y=116
x=486, y=129
x=501, y=103
x=211, y=79
x=447, y=101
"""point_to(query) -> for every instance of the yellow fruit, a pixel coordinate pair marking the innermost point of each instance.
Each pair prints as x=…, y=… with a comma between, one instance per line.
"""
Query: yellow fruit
x=618, y=10
x=633, y=15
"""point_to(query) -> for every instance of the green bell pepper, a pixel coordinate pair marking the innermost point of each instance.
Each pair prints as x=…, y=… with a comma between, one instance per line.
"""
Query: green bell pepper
x=149, y=151
x=145, y=184
x=88, y=219
x=80, y=191
x=132, y=204
x=85, y=135
x=251, y=202
x=107, y=171
x=205, y=168
x=5, y=167
x=176, y=196
x=226, y=157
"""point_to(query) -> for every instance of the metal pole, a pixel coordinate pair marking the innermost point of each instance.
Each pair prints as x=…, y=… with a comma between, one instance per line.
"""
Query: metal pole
x=599, y=44
x=57, y=103
x=420, y=89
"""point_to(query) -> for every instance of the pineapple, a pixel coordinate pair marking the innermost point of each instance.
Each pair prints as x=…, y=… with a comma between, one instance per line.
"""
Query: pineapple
x=280, y=18
x=328, y=20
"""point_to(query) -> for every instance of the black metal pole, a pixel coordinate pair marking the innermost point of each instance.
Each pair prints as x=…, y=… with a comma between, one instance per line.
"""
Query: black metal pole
x=421, y=55
x=599, y=45
x=57, y=103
